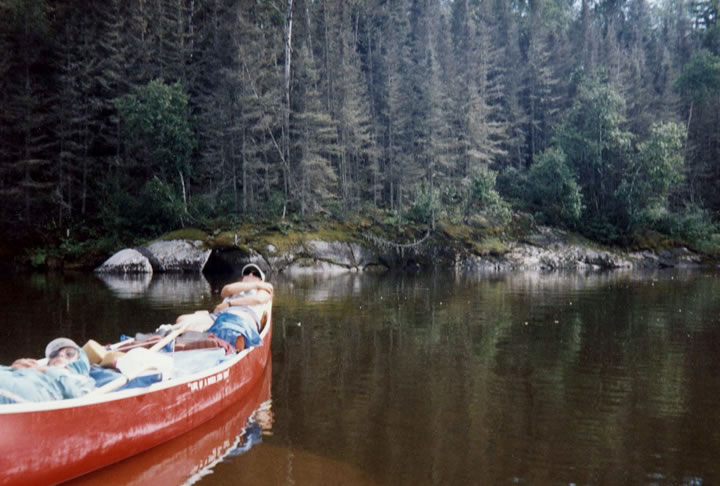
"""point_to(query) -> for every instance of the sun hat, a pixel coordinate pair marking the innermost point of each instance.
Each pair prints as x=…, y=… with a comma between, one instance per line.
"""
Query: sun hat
x=59, y=343
x=253, y=268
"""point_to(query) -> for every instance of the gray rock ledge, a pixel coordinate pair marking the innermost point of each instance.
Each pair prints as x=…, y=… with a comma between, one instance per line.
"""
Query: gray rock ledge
x=126, y=261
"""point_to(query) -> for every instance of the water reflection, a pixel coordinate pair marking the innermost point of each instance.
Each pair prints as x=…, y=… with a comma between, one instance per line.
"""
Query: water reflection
x=126, y=286
x=524, y=378
x=521, y=378
x=167, y=289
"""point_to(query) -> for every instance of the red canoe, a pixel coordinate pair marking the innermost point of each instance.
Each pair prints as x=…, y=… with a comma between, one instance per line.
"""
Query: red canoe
x=192, y=455
x=50, y=442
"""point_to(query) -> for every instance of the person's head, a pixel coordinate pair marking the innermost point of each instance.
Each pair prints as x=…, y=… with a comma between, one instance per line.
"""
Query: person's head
x=62, y=351
x=251, y=272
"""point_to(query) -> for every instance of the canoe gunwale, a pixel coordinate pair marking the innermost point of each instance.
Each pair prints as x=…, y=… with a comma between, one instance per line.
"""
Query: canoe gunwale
x=100, y=430
x=30, y=407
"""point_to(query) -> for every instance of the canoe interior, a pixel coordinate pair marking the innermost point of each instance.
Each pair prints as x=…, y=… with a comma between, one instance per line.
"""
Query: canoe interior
x=51, y=442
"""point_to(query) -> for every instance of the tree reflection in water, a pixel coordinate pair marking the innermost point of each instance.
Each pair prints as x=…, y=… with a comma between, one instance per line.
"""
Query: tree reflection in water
x=529, y=378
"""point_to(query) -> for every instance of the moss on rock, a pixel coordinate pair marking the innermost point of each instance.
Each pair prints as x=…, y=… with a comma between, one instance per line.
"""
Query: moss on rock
x=192, y=234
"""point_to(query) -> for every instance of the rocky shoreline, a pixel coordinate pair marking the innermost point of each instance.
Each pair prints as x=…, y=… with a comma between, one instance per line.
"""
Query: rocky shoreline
x=544, y=249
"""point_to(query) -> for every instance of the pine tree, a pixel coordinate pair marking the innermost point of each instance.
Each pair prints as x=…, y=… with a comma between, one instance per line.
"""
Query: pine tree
x=443, y=169
x=359, y=152
x=261, y=102
x=404, y=106
x=487, y=130
x=541, y=86
x=172, y=43
x=26, y=177
x=317, y=141
x=511, y=65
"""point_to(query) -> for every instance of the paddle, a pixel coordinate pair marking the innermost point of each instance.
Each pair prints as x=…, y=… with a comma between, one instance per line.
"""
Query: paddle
x=140, y=360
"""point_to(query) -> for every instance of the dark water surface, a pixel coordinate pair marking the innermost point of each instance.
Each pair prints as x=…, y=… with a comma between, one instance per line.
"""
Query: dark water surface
x=525, y=378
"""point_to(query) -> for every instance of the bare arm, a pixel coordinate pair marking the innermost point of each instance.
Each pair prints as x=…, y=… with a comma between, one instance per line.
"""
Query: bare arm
x=262, y=296
x=27, y=363
x=237, y=287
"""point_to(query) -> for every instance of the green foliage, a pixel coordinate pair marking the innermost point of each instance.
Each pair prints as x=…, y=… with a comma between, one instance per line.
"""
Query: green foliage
x=484, y=198
x=512, y=184
x=604, y=230
x=653, y=172
x=336, y=209
x=37, y=257
x=385, y=98
x=598, y=151
x=274, y=207
x=156, y=124
x=203, y=208
x=156, y=209
x=553, y=189
x=489, y=246
x=693, y=224
x=74, y=249
x=423, y=208
x=185, y=234
x=158, y=137
x=451, y=203
x=700, y=78
x=594, y=141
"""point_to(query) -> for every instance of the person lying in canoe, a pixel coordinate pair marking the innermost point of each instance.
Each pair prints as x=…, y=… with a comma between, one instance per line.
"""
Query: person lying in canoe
x=233, y=318
x=233, y=324
x=64, y=375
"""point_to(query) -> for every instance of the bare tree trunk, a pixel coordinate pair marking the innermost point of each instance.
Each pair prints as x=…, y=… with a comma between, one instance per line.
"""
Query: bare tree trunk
x=309, y=33
x=233, y=166
x=326, y=45
x=86, y=152
x=286, y=117
x=184, y=192
x=243, y=151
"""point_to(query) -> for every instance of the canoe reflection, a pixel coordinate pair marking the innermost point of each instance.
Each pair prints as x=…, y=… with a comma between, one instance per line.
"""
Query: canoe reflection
x=191, y=456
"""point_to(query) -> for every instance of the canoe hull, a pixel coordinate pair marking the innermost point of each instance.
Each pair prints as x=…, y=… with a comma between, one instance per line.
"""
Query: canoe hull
x=193, y=453
x=51, y=443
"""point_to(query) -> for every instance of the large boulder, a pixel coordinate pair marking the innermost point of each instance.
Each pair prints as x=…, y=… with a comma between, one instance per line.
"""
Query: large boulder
x=177, y=255
x=126, y=261
x=330, y=257
x=304, y=266
x=161, y=256
x=335, y=252
x=362, y=256
x=279, y=260
x=554, y=256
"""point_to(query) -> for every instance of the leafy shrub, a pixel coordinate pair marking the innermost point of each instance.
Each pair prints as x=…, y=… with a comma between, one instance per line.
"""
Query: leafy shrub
x=421, y=211
x=157, y=127
x=452, y=203
x=553, y=189
x=654, y=171
x=512, y=184
x=692, y=224
x=37, y=257
x=483, y=197
x=154, y=210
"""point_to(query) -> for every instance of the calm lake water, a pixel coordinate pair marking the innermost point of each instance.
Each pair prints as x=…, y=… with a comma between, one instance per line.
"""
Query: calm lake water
x=524, y=378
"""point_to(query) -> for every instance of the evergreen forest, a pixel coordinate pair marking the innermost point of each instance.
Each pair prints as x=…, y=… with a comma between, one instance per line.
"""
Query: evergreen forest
x=123, y=119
